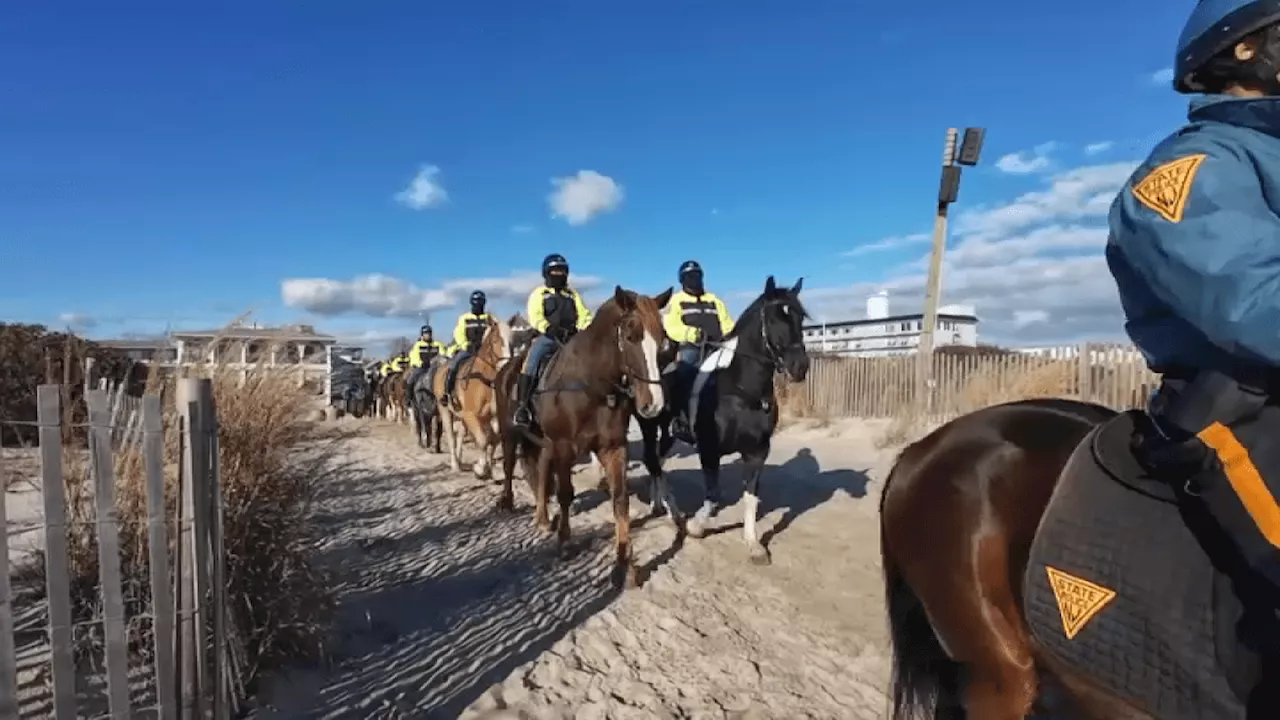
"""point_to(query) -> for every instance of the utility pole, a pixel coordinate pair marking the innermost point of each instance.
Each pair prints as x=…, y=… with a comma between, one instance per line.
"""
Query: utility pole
x=948, y=190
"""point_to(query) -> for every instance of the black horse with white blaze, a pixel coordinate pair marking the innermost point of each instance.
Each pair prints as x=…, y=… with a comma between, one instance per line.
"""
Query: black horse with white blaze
x=732, y=406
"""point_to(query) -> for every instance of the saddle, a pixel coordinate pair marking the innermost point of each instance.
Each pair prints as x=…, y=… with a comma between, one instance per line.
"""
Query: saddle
x=1120, y=588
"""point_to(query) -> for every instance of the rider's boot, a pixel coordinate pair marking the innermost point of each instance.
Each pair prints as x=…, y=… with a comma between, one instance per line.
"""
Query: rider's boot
x=524, y=389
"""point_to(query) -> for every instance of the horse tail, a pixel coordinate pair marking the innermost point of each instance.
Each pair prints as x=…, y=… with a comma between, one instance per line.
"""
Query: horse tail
x=924, y=677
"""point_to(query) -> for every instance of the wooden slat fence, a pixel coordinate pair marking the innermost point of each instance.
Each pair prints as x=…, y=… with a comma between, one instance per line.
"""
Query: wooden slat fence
x=885, y=387
x=113, y=603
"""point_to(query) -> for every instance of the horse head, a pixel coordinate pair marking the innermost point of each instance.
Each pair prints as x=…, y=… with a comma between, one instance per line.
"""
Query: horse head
x=637, y=323
x=774, y=325
x=522, y=334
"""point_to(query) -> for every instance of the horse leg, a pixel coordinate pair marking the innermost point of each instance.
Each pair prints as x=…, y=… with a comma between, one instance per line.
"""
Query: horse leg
x=437, y=427
x=451, y=436
x=660, y=494
x=753, y=462
x=541, y=483
x=709, y=457
x=480, y=432
x=563, y=468
x=614, y=462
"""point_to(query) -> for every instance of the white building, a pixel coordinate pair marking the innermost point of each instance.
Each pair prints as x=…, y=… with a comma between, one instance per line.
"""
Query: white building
x=882, y=333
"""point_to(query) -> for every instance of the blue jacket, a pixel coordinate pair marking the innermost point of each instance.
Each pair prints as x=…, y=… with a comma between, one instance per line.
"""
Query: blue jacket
x=1195, y=241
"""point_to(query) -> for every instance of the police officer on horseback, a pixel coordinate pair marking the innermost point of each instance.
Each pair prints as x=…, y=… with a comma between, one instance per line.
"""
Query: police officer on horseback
x=1195, y=252
x=420, y=356
x=693, y=319
x=467, y=335
x=557, y=312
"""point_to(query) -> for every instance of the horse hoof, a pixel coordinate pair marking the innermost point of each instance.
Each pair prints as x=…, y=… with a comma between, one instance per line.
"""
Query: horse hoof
x=695, y=528
x=567, y=551
x=759, y=556
x=506, y=505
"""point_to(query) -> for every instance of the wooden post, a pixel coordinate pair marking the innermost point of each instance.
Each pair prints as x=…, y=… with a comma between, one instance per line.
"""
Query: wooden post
x=8, y=652
x=933, y=289
x=190, y=588
x=57, y=572
x=158, y=554
x=1084, y=372
x=102, y=468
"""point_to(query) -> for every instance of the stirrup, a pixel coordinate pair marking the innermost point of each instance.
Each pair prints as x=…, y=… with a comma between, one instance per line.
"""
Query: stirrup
x=523, y=417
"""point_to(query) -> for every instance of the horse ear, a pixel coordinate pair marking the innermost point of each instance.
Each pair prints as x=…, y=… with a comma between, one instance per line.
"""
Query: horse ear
x=663, y=298
x=621, y=298
x=795, y=289
x=770, y=287
x=513, y=320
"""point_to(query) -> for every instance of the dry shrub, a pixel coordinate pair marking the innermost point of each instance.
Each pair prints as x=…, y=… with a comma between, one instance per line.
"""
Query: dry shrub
x=1054, y=378
x=272, y=459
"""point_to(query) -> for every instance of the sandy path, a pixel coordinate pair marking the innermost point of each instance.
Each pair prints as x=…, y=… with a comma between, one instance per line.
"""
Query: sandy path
x=450, y=609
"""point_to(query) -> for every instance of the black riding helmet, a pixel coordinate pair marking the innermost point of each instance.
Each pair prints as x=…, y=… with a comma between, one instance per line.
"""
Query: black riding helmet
x=425, y=330
x=478, y=300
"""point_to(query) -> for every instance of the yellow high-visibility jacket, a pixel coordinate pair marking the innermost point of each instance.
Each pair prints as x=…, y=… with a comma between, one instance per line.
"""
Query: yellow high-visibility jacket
x=691, y=318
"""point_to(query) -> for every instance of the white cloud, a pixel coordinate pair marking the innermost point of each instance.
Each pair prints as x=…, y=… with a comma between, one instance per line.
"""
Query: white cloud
x=76, y=320
x=579, y=198
x=1098, y=147
x=1032, y=266
x=1162, y=77
x=424, y=191
x=1027, y=161
x=889, y=243
x=379, y=295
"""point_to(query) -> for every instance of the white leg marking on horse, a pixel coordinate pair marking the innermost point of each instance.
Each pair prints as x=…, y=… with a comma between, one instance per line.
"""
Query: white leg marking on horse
x=656, y=400
x=698, y=523
x=751, y=508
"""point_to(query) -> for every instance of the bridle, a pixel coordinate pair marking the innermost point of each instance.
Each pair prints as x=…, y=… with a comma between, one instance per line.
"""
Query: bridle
x=773, y=355
x=627, y=385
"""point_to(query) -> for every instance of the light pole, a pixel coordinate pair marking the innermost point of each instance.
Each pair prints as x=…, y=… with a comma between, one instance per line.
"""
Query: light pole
x=948, y=190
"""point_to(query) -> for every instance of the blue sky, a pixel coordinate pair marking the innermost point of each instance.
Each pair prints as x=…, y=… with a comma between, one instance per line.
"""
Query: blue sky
x=171, y=165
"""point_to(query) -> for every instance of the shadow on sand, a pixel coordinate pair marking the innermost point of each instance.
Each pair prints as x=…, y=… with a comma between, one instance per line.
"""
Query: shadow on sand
x=435, y=611
x=799, y=485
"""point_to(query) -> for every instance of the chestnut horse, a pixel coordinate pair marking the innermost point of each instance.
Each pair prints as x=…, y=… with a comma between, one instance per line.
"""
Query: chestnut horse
x=473, y=399
x=391, y=398
x=584, y=403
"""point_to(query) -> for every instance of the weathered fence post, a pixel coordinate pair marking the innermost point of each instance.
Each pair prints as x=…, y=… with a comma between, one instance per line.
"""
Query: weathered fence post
x=193, y=578
x=57, y=574
x=8, y=652
x=158, y=553
x=102, y=468
x=1084, y=372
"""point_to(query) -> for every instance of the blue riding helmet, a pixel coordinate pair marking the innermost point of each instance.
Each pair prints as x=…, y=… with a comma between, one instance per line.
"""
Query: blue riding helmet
x=688, y=266
x=554, y=261
x=1214, y=26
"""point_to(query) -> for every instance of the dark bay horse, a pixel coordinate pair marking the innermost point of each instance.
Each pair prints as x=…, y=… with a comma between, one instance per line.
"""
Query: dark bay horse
x=733, y=406
x=427, y=418
x=1031, y=564
x=584, y=402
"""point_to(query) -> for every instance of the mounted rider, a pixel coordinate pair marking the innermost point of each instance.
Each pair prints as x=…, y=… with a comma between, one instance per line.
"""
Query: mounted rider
x=393, y=365
x=467, y=335
x=1195, y=252
x=693, y=319
x=426, y=349
x=557, y=312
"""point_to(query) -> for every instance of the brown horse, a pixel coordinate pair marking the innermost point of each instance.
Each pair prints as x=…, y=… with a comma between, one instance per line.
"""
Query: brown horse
x=1002, y=533
x=391, y=398
x=473, y=398
x=584, y=404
